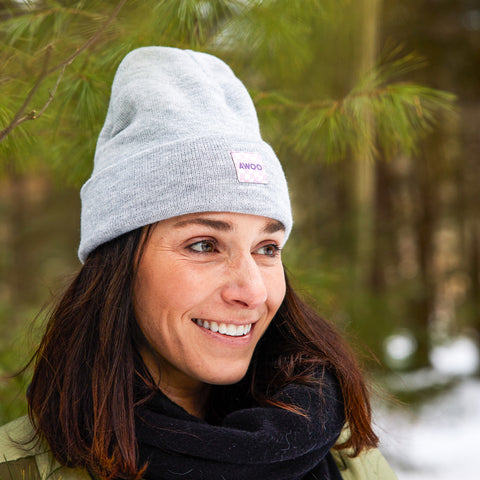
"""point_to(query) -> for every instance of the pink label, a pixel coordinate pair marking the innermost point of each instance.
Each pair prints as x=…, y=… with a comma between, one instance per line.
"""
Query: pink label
x=249, y=167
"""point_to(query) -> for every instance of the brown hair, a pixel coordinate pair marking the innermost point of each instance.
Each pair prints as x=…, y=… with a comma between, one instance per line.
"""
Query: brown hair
x=81, y=398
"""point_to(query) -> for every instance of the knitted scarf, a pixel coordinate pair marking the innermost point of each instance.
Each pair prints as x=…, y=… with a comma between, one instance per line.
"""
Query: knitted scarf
x=260, y=443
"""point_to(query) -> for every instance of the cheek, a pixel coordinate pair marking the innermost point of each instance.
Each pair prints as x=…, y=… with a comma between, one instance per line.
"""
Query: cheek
x=157, y=298
x=276, y=289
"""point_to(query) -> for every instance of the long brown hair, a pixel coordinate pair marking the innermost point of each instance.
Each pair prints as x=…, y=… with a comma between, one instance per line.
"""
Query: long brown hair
x=81, y=398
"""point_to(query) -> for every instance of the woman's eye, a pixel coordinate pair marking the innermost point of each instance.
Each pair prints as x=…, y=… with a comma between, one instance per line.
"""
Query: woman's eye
x=271, y=250
x=203, y=246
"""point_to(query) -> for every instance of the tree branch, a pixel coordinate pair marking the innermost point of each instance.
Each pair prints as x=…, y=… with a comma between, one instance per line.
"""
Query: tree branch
x=91, y=41
x=331, y=104
x=20, y=117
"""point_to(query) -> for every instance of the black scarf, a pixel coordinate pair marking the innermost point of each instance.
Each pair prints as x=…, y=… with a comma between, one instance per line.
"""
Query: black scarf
x=255, y=443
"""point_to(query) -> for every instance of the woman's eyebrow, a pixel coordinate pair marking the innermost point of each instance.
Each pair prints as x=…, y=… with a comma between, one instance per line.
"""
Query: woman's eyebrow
x=274, y=226
x=215, y=224
x=271, y=227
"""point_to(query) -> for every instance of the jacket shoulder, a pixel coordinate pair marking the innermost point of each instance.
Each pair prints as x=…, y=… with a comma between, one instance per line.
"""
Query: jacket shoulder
x=24, y=457
x=17, y=440
x=368, y=465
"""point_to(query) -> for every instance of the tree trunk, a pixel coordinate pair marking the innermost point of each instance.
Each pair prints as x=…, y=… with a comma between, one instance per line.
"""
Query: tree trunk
x=427, y=205
x=364, y=174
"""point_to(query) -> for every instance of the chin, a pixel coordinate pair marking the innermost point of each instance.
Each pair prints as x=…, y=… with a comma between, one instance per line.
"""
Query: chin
x=226, y=377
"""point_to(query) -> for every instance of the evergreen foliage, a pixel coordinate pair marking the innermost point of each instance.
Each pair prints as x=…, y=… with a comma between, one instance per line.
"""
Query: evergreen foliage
x=272, y=45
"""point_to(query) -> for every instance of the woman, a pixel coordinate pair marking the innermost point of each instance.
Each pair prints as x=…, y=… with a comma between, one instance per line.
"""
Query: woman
x=180, y=350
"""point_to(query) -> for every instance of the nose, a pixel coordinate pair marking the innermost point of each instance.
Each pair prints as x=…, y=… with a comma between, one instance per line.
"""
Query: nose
x=245, y=284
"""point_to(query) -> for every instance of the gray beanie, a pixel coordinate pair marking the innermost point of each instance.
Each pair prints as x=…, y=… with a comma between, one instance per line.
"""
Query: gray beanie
x=181, y=136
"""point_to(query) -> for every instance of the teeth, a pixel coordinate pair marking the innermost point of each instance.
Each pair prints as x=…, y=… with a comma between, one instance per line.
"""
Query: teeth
x=224, y=328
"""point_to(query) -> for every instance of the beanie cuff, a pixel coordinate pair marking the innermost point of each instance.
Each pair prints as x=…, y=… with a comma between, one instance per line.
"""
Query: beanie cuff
x=194, y=175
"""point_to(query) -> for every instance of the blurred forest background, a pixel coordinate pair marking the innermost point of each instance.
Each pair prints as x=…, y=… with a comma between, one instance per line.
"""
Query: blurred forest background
x=373, y=107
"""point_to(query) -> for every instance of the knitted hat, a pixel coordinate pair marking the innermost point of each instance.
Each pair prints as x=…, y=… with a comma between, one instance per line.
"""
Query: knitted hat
x=181, y=136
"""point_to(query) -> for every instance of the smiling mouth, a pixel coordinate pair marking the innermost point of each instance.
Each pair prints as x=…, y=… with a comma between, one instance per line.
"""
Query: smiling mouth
x=224, y=328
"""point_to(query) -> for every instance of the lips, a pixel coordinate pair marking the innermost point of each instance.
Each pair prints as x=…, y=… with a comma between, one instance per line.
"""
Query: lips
x=228, y=329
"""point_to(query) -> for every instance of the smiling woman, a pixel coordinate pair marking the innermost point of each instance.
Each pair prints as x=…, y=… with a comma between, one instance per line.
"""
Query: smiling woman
x=229, y=264
x=180, y=350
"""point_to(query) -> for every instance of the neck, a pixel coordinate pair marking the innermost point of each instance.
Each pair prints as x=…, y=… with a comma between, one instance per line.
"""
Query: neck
x=192, y=399
x=188, y=393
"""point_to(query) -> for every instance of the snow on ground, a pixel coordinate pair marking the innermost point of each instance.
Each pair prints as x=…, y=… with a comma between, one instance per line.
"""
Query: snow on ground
x=458, y=357
x=440, y=439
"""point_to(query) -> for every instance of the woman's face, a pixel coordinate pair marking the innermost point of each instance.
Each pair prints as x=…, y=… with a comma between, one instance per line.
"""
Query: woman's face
x=208, y=286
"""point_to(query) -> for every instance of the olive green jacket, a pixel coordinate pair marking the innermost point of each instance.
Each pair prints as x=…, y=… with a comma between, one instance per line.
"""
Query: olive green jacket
x=33, y=461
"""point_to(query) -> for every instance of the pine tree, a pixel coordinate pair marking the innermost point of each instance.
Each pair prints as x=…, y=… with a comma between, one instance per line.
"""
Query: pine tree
x=58, y=59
